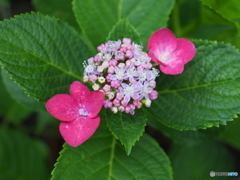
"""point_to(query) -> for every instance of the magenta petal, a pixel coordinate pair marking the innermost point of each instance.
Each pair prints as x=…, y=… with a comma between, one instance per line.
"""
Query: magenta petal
x=162, y=41
x=153, y=58
x=78, y=131
x=174, y=67
x=185, y=50
x=78, y=91
x=93, y=103
x=62, y=107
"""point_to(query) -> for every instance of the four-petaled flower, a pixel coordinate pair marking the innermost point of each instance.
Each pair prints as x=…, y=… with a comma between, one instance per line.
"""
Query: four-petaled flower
x=77, y=111
x=170, y=52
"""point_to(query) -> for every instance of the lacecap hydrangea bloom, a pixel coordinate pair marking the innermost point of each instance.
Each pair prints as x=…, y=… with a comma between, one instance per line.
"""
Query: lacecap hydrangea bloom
x=124, y=73
x=170, y=52
x=123, y=79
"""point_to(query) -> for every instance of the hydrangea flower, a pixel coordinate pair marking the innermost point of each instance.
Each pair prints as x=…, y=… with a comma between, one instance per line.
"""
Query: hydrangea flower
x=170, y=52
x=77, y=111
x=128, y=74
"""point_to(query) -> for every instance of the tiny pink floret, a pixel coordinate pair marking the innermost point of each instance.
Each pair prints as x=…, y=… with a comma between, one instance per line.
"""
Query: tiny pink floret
x=170, y=52
x=77, y=111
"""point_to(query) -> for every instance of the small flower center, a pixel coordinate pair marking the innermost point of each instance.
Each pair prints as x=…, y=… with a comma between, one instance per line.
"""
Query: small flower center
x=142, y=76
x=89, y=69
x=129, y=91
x=83, y=112
x=120, y=74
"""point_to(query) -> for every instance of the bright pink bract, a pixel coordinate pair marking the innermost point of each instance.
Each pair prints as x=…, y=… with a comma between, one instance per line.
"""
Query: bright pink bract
x=170, y=52
x=77, y=111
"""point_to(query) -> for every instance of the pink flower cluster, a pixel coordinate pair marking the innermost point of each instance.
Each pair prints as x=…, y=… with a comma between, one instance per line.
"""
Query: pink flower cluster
x=124, y=73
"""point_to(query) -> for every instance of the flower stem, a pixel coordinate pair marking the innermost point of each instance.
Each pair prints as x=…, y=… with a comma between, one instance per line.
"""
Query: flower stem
x=155, y=64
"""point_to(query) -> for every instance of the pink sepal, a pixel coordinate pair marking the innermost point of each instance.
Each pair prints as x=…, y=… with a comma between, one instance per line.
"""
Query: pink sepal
x=78, y=91
x=94, y=103
x=163, y=40
x=78, y=131
x=62, y=107
x=168, y=51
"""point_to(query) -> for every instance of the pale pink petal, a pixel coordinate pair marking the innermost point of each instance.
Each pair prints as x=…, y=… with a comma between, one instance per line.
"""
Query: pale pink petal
x=93, y=103
x=174, y=67
x=78, y=91
x=62, y=107
x=153, y=58
x=78, y=131
x=163, y=41
x=185, y=50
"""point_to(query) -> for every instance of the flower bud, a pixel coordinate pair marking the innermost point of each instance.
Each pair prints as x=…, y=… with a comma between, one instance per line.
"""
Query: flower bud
x=148, y=103
x=101, y=80
x=114, y=109
x=95, y=87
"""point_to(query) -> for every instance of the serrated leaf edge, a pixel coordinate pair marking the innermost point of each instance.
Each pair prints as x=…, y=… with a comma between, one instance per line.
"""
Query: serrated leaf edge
x=47, y=16
x=212, y=125
x=128, y=150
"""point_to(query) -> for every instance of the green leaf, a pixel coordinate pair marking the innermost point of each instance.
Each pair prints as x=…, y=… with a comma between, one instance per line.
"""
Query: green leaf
x=102, y=157
x=206, y=94
x=5, y=99
x=126, y=127
x=18, y=94
x=221, y=21
x=146, y=16
x=5, y=2
x=201, y=160
x=210, y=16
x=11, y=111
x=188, y=12
x=123, y=29
x=211, y=23
x=46, y=125
x=96, y=18
x=5, y=9
x=229, y=9
x=43, y=55
x=184, y=17
x=229, y=36
x=16, y=114
x=22, y=157
x=61, y=9
x=187, y=137
x=231, y=134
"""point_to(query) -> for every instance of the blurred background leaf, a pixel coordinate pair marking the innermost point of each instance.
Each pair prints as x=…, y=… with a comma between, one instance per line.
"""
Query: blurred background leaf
x=10, y=110
x=229, y=9
x=187, y=137
x=22, y=157
x=231, y=134
x=97, y=19
x=61, y=9
x=196, y=162
x=5, y=11
x=18, y=94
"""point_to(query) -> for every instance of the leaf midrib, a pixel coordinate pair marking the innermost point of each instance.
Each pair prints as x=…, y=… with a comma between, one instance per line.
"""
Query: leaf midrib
x=113, y=145
x=196, y=86
x=45, y=61
x=119, y=10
